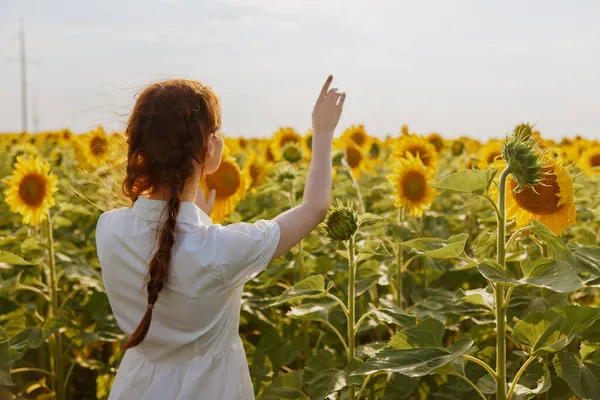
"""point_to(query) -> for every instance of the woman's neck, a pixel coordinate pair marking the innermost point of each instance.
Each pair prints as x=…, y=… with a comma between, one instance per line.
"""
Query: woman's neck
x=190, y=190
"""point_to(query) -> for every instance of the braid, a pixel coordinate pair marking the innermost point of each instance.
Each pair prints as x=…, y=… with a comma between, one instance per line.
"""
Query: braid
x=158, y=270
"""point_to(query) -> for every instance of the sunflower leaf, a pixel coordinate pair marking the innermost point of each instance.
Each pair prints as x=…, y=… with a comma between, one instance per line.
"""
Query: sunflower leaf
x=311, y=287
x=552, y=330
x=469, y=181
x=12, y=259
x=580, y=378
x=438, y=248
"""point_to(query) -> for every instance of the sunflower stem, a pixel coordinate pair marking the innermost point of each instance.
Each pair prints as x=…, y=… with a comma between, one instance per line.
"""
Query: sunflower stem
x=499, y=291
x=351, y=308
x=59, y=382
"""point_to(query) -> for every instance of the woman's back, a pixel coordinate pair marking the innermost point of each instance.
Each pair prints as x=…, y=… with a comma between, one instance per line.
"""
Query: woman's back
x=196, y=318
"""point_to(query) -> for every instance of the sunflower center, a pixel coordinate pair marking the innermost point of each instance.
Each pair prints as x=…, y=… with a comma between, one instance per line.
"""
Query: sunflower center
x=374, y=151
x=595, y=160
x=353, y=157
x=32, y=189
x=98, y=145
x=358, y=138
x=269, y=155
x=437, y=142
x=226, y=180
x=423, y=155
x=243, y=143
x=541, y=199
x=309, y=142
x=492, y=156
x=414, y=185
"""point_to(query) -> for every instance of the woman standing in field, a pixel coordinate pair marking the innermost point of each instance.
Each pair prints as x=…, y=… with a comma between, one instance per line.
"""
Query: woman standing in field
x=184, y=341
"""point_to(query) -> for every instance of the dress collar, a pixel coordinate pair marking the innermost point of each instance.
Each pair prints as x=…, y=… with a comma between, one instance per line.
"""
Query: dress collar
x=152, y=210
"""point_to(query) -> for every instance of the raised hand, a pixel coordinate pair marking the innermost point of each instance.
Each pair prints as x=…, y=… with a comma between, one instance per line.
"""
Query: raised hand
x=328, y=109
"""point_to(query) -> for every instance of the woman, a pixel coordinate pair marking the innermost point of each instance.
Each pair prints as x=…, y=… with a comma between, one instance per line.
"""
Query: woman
x=183, y=332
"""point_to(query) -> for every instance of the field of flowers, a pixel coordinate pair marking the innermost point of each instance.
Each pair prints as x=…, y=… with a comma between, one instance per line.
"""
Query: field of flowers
x=445, y=269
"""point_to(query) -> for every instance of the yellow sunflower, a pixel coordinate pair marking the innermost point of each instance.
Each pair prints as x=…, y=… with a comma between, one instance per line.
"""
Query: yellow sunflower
x=416, y=145
x=410, y=179
x=589, y=161
x=437, y=141
x=358, y=135
x=404, y=130
x=488, y=152
x=282, y=137
x=255, y=170
x=95, y=148
x=30, y=189
x=356, y=157
x=551, y=202
x=307, y=142
x=230, y=185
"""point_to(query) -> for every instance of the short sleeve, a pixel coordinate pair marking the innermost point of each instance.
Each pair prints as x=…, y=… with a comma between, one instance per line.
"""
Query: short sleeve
x=244, y=249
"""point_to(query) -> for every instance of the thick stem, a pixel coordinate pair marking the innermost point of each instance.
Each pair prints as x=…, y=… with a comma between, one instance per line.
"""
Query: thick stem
x=351, y=309
x=399, y=275
x=59, y=381
x=499, y=292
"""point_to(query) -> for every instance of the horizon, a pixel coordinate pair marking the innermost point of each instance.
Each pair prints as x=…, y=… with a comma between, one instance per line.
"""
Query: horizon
x=460, y=68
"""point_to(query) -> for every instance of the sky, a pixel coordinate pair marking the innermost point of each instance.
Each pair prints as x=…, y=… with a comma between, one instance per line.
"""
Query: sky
x=458, y=67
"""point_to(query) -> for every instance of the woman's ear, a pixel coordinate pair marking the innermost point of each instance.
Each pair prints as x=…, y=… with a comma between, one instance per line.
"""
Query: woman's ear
x=211, y=145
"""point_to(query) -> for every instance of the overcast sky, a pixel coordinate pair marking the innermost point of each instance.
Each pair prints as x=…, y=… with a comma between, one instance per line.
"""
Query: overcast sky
x=457, y=67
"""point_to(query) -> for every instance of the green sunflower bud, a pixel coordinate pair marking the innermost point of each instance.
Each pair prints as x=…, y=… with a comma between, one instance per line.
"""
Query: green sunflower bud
x=285, y=173
x=341, y=222
x=292, y=153
x=523, y=158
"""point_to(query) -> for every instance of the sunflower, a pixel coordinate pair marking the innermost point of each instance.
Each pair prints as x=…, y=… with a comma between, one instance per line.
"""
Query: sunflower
x=356, y=157
x=589, y=161
x=404, y=130
x=410, y=179
x=488, y=152
x=437, y=141
x=282, y=137
x=95, y=148
x=230, y=185
x=358, y=135
x=255, y=170
x=551, y=202
x=307, y=142
x=30, y=189
x=416, y=145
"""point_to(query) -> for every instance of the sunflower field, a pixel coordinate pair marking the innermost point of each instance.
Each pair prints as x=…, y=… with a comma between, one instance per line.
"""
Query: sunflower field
x=445, y=269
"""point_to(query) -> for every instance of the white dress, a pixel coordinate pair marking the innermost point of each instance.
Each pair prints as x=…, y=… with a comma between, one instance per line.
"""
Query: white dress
x=192, y=350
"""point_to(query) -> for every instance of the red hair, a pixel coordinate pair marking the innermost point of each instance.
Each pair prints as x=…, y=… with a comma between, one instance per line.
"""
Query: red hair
x=167, y=131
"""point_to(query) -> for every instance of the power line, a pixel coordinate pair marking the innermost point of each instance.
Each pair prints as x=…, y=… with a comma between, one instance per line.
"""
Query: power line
x=23, y=60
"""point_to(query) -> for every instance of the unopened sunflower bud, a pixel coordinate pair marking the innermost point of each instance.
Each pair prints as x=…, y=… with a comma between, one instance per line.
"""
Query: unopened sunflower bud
x=285, y=173
x=292, y=153
x=522, y=158
x=341, y=223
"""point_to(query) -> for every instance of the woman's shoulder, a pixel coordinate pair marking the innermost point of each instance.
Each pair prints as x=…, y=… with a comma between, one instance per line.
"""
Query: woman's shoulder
x=111, y=217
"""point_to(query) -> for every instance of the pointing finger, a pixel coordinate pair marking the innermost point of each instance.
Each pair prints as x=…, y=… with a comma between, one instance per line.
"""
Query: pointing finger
x=325, y=87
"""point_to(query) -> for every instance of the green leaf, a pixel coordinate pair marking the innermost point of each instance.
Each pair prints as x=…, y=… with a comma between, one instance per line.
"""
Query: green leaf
x=374, y=247
x=5, y=363
x=480, y=297
x=557, y=250
x=11, y=283
x=429, y=333
x=558, y=276
x=468, y=181
x=368, y=217
x=312, y=311
x=554, y=275
x=322, y=376
x=284, y=387
x=12, y=259
x=74, y=208
x=311, y=287
x=414, y=362
x=396, y=316
x=400, y=387
x=439, y=248
x=578, y=376
x=367, y=275
x=552, y=330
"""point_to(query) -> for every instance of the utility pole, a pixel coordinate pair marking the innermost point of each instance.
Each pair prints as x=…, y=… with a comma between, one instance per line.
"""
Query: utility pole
x=23, y=59
x=36, y=115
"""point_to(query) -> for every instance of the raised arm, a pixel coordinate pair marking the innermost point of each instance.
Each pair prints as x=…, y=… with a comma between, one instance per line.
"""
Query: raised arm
x=297, y=223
